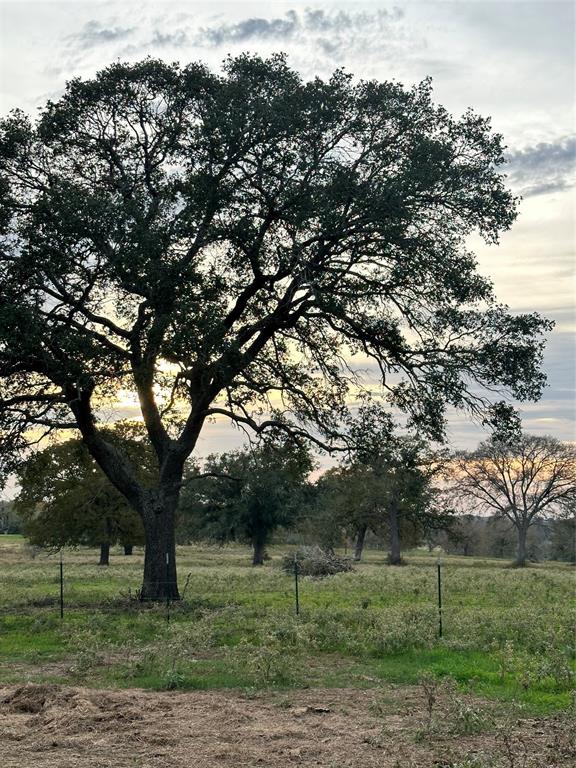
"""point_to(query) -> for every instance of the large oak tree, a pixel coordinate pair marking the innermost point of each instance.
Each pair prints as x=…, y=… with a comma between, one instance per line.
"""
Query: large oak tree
x=224, y=243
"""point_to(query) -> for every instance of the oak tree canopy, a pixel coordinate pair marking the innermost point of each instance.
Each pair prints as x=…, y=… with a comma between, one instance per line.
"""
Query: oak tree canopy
x=245, y=495
x=66, y=500
x=225, y=244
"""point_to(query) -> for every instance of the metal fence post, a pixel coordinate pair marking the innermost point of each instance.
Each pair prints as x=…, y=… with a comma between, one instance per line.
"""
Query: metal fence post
x=296, y=585
x=439, y=566
x=167, y=587
x=61, y=587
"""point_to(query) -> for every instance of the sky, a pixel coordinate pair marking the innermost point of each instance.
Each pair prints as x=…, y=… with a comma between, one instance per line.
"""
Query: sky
x=513, y=61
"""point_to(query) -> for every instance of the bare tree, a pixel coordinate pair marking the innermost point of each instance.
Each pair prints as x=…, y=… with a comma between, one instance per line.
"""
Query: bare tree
x=523, y=481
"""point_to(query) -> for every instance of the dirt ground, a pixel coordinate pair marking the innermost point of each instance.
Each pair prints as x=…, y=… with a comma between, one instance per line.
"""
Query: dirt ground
x=62, y=727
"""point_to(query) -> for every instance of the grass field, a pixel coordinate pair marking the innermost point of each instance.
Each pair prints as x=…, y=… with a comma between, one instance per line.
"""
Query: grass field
x=508, y=633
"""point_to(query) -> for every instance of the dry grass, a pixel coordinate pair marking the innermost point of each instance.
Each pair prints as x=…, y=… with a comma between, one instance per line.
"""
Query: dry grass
x=47, y=725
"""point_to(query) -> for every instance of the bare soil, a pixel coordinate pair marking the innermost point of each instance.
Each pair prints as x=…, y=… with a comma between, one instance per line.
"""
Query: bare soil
x=64, y=727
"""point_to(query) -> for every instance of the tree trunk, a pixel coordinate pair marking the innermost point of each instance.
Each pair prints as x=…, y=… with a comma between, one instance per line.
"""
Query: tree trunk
x=394, y=557
x=157, y=507
x=160, y=577
x=259, y=545
x=521, y=555
x=104, y=554
x=128, y=549
x=359, y=544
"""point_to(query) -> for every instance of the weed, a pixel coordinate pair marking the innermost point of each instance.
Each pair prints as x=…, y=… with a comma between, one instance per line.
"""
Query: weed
x=477, y=761
x=377, y=740
x=267, y=664
x=467, y=718
x=504, y=655
x=173, y=679
x=513, y=747
x=430, y=688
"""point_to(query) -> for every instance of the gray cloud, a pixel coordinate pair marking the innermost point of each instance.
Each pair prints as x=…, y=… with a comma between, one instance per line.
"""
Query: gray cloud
x=251, y=29
x=341, y=21
x=317, y=39
x=93, y=33
x=315, y=22
x=545, y=167
x=176, y=39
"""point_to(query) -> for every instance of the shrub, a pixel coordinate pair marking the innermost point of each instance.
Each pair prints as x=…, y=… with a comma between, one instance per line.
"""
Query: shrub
x=266, y=664
x=173, y=679
x=314, y=561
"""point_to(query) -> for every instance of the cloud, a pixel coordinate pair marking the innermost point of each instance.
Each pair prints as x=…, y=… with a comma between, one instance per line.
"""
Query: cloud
x=85, y=45
x=317, y=40
x=250, y=29
x=93, y=33
x=328, y=30
x=341, y=21
x=545, y=167
x=175, y=39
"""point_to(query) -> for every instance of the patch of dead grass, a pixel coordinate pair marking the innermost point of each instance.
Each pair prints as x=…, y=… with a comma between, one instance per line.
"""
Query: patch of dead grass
x=49, y=725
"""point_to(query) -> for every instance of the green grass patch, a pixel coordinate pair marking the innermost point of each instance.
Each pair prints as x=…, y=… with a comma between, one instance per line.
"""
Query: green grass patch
x=476, y=672
x=508, y=634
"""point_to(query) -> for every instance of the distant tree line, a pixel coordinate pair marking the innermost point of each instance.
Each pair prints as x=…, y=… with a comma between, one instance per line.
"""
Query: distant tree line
x=477, y=536
x=392, y=490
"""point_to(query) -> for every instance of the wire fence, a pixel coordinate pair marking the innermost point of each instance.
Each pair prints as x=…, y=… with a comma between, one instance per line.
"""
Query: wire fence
x=428, y=602
x=71, y=594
